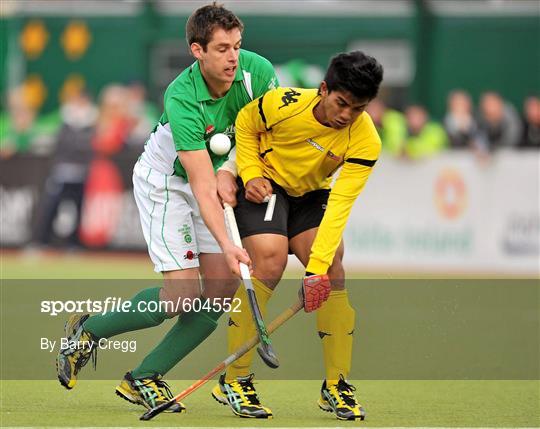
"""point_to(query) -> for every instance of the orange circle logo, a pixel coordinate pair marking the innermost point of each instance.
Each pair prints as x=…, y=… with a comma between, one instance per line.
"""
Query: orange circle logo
x=450, y=194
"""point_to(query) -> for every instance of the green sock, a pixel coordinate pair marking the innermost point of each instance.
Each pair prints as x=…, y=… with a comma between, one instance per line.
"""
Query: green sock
x=109, y=324
x=190, y=330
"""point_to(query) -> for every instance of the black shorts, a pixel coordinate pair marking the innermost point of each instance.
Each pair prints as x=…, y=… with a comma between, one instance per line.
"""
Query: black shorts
x=292, y=215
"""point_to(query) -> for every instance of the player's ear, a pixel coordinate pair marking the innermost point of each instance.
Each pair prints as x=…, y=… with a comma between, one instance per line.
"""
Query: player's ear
x=196, y=50
x=323, y=90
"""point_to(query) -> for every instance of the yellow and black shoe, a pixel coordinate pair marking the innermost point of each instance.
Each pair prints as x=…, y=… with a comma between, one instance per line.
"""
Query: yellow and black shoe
x=339, y=399
x=241, y=396
x=80, y=347
x=148, y=392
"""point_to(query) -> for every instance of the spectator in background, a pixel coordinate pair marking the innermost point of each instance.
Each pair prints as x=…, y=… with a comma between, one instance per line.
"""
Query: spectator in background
x=531, y=123
x=17, y=125
x=71, y=159
x=143, y=115
x=391, y=126
x=460, y=123
x=499, y=122
x=425, y=138
x=22, y=129
x=114, y=122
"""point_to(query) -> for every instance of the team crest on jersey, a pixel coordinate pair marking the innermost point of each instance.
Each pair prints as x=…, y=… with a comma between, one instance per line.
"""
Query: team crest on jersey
x=333, y=156
x=186, y=232
x=288, y=97
x=230, y=131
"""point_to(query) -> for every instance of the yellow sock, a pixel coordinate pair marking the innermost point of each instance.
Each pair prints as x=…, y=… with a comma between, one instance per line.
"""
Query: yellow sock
x=335, y=323
x=241, y=328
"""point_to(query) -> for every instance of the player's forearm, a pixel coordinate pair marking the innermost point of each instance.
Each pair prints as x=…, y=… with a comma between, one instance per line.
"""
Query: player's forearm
x=211, y=211
x=250, y=173
x=329, y=235
x=247, y=159
x=230, y=164
x=340, y=202
x=204, y=187
x=248, y=129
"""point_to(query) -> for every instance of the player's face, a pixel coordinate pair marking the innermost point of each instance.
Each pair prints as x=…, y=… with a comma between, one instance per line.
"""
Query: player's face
x=339, y=109
x=220, y=60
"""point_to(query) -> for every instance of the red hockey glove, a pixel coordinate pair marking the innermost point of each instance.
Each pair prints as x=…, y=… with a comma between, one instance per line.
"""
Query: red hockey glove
x=315, y=290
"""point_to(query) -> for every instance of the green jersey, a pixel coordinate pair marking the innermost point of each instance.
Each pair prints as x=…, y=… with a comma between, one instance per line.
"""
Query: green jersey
x=191, y=116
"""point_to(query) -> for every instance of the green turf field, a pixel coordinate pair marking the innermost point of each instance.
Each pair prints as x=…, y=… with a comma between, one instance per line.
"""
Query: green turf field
x=413, y=338
x=54, y=265
x=388, y=403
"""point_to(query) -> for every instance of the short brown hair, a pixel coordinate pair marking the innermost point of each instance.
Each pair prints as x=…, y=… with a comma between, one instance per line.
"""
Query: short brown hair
x=203, y=21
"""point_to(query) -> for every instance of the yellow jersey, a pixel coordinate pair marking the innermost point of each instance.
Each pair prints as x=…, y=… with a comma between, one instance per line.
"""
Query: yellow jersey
x=278, y=137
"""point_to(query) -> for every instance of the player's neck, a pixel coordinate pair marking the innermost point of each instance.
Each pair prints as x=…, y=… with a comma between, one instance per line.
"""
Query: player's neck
x=219, y=91
x=216, y=88
x=320, y=114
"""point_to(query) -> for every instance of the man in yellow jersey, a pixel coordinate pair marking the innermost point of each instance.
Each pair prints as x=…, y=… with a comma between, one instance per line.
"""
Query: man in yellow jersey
x=289, y=142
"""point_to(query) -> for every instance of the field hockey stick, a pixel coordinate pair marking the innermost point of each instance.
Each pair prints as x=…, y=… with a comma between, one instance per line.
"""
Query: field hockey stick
x=265, y=350
x=241, y=351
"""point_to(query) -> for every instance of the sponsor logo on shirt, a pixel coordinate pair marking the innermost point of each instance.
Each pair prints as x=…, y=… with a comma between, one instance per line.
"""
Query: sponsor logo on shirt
x=288, y=98
x=315, y=145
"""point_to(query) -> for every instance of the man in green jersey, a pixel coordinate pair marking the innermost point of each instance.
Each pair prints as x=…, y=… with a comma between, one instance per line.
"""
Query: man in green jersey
x=178, y=183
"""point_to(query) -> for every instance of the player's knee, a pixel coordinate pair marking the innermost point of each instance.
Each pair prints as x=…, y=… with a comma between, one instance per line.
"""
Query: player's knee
x=175, y=300
x=269, y=267
x=223, y=288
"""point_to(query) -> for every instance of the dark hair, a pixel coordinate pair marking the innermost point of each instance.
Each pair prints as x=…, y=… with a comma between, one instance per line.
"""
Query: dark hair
x=356, y=73
x=202, y=23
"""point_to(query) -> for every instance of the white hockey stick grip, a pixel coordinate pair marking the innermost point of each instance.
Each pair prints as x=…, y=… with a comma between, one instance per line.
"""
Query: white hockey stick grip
x=270, y=208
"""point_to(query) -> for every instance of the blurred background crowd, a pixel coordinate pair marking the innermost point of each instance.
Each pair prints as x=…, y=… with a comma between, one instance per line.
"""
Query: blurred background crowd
x=493, y=124
x=122, y=117
x=119, y=116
